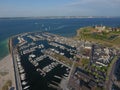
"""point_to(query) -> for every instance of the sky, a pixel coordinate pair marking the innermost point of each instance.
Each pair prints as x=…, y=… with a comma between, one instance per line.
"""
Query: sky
x=36, y=8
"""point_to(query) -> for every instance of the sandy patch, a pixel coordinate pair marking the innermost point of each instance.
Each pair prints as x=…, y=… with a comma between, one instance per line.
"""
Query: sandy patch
x=6, y=71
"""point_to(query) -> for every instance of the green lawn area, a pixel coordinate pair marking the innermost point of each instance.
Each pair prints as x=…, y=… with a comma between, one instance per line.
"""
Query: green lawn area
x=110, y=39
x=62, y=59
x=85, y=62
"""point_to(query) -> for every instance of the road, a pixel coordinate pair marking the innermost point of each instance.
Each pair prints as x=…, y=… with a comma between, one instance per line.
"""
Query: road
x=16, y=72
x=110, y=80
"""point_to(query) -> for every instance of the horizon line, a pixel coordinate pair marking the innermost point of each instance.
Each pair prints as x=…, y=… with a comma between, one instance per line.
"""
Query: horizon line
x=61, y=17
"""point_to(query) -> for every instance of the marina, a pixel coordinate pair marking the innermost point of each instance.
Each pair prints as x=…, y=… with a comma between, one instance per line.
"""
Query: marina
x=53, y=62
x=35, y=63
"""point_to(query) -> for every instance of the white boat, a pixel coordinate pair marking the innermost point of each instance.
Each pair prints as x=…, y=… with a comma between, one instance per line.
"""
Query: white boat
x=66, y=75
x=22, y=70
x=24, y=83
x=62, y=53
x=22, y=76
x=32, y=55
x=19, y=63
x=41, y=72
x=26, y=87
x=58, y=77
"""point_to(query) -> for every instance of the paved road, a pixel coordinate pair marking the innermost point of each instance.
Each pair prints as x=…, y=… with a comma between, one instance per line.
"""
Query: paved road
x=17, y=75
x=117, y=83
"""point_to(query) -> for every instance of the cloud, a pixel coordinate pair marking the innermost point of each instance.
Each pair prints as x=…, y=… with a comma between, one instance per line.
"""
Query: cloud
x=95, y=7
x=62, y=7
x=101, y=3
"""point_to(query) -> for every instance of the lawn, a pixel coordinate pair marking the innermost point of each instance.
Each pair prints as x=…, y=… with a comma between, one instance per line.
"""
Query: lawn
x=110, y=39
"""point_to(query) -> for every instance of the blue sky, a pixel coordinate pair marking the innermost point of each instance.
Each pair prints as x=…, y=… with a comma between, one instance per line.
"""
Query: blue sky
x=28, y=8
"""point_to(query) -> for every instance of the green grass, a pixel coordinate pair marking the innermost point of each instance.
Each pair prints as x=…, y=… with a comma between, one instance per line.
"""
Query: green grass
x=85, y=62
x=62, y=59
x=110, y=39
x=98, y=88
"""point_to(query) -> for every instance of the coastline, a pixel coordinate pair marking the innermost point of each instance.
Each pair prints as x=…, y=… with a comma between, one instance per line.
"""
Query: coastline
x=6, y=67
x=6, y=64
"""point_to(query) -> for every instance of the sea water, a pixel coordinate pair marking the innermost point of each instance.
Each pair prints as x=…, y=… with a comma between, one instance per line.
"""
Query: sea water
x=64, y=27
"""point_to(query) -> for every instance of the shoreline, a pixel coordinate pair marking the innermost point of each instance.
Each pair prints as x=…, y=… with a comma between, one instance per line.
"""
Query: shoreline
x=2, y=58
x=6, y=67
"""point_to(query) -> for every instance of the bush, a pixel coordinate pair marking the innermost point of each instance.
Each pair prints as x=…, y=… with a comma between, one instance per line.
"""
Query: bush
x=5, y=87
x=9, y=83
